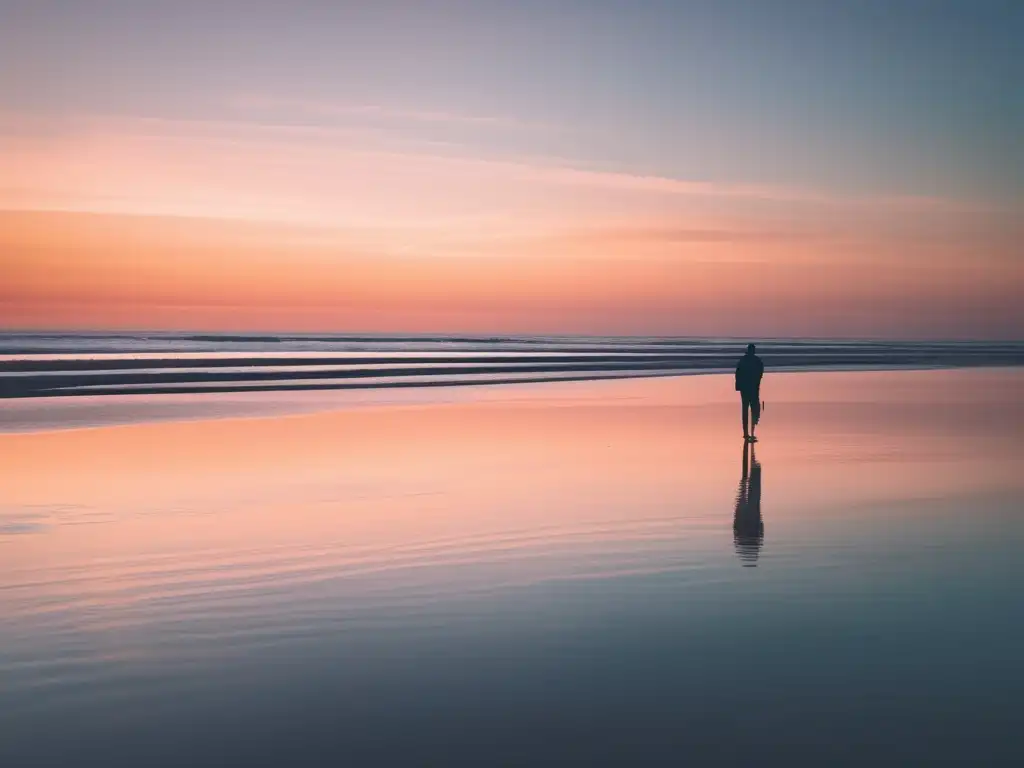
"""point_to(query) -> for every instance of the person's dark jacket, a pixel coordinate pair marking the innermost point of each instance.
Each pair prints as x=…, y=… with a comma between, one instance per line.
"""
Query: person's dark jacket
x=749, y=371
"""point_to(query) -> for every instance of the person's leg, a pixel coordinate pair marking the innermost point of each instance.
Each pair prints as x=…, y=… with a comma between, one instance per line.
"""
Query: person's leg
x=745, y=405
x=755, y=411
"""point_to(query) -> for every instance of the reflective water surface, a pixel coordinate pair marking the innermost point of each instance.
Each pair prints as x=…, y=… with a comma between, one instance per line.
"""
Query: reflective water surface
x=591, y=573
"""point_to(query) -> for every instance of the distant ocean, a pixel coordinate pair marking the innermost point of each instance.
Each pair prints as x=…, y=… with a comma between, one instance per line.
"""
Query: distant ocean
x=94, y=363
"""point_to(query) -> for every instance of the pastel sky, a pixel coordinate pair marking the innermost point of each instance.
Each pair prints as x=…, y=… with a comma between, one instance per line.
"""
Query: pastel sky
x=784, y=168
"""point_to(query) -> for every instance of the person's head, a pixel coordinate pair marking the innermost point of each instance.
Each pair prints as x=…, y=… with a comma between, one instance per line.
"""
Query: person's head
x=751, y=348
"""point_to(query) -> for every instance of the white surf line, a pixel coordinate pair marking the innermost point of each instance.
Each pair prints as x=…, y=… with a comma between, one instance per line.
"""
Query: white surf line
x=338, y=354
x=371, y=381
x=260, y=369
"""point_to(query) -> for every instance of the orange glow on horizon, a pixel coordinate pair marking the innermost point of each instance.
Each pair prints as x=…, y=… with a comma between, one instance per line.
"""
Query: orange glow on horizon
x=106, y=271
x=162, y=224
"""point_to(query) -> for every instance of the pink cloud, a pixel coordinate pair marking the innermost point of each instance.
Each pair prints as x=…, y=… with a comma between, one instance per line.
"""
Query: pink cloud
x=339, y=174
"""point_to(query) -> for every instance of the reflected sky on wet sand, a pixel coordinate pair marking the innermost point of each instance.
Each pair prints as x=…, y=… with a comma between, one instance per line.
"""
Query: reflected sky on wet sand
x=531, y=575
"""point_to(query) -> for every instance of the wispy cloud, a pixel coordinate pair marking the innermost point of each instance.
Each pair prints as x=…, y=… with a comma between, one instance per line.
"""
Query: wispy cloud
x=340, y=173
x=321, y=109
x=676, y=235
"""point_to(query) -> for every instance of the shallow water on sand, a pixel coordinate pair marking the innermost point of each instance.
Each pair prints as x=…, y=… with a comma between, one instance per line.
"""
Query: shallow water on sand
x=589, y=573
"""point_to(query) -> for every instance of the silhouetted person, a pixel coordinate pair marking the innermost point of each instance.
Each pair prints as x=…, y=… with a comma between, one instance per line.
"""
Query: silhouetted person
x=749, y=371
x=747, y=526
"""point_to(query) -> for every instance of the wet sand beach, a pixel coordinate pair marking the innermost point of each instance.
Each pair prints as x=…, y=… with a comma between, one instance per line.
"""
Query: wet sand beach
x=591, y=573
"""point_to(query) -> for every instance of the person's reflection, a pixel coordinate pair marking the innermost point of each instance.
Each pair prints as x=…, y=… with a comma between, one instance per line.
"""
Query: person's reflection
x=747, y=526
